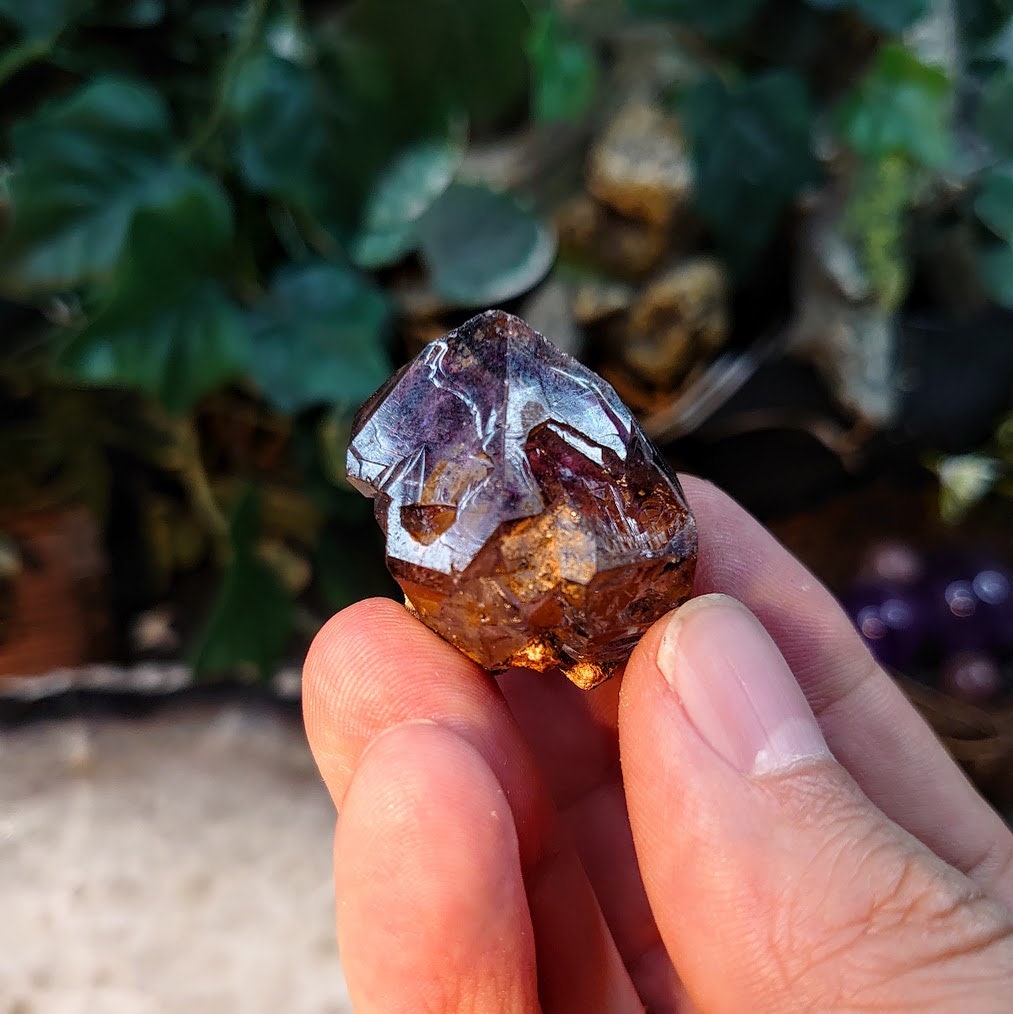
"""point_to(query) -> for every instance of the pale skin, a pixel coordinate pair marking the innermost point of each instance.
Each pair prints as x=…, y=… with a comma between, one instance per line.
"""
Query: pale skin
x=741, y=822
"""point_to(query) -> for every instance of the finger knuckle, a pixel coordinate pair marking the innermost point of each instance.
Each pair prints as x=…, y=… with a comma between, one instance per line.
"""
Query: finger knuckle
x=875, y=914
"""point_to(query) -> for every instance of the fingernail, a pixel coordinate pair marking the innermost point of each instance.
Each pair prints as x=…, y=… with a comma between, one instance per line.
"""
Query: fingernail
x=736, y=688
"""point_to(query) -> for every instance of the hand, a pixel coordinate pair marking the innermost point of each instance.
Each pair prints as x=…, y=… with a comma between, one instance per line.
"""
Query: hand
x=688, y=838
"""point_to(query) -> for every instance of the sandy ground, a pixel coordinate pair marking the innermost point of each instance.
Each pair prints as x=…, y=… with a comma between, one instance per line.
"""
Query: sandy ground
x=172, y=863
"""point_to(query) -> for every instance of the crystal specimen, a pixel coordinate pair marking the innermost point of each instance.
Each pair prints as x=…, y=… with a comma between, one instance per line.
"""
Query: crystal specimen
x=529, y=521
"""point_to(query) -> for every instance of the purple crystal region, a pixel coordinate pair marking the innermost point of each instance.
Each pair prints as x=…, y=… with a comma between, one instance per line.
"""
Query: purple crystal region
x=528, y=518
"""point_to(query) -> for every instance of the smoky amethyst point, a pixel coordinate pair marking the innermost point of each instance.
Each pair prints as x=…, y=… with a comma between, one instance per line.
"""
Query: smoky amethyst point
x=528, y=519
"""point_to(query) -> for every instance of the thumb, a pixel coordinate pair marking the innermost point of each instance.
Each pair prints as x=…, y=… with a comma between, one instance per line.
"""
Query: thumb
x=775, y=883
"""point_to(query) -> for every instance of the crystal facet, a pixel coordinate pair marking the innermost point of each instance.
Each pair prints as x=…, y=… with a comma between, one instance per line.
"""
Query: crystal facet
x=529, y=520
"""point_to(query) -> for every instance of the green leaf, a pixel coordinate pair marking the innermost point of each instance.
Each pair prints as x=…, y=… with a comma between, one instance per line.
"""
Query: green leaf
x=994, y=203
x=981, y=20
x=482, y=247
x=280, y=115
x=85, y=166
x=317, y=136
x=995, y=268
x=400, y=195
x=752, y=156
x=995, y=113
x=901, y=107
x=716, y=18
x=134, y=13
x=167, y=327
x=41, y=19
x=252, y=617
x=891, y=16
x=447, y=56
x=177, y=354
x=565, y=70
x=875, y=221
x=318, y=337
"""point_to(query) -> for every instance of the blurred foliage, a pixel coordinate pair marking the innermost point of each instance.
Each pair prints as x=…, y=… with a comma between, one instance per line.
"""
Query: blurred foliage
x=205, y=204
x=253, y=616
x=749, y=171
x=564, y=70
x=899, y=107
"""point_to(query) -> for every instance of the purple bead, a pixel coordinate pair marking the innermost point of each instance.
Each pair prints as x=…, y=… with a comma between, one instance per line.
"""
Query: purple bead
x=889, y=618
x=893, y=561
x=994, y=591
x=972, y=607
x=971, y=676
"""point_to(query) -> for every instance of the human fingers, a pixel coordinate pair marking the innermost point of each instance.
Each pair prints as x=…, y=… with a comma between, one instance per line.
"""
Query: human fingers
x=432, y=912
x=776, y=884
x=869, y=724
x=573, y=735
x=372, y=667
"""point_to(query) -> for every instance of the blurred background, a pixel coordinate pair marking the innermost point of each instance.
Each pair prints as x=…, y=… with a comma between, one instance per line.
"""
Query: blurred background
x=783, y=229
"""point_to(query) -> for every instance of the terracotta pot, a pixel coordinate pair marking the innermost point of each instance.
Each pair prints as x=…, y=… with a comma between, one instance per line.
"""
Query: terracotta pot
x=53, y=609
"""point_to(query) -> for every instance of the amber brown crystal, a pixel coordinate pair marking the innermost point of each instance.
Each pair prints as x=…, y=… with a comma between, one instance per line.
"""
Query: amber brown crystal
x=529, y=520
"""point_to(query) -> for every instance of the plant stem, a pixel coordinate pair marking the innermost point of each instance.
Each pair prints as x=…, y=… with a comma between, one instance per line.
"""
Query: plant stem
x=251, y=20
x=198, y=487
x=20, y=56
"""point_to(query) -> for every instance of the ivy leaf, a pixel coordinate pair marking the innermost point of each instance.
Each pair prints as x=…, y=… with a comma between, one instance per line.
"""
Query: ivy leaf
x=177, y=353
x=252, y=616
x=995, y=268
x=134, y=13
x=752, y=156
x=281, y=128
x=400, y=195
x=716, y=18
x=318, y=337
x=891, y=16
x=85, y=166
x=994, y=114
x=41, y=19
x=316, y=136
x=447, y=56
x=981, y=20
x=482, y=247
x=901, y=107
x=167, y=326
x=994, y=203
x=565, y=70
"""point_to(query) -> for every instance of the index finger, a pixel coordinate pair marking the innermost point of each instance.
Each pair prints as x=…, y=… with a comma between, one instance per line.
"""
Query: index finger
x=374, y=667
